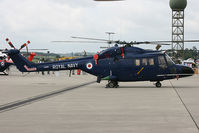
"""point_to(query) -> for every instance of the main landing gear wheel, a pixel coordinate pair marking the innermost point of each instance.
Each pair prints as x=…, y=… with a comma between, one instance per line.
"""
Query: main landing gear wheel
x=158, y=84
x=112, y=84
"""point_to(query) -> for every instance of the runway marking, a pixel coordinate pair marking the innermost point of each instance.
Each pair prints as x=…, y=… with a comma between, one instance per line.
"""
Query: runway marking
x=187, y=109
x=20, y=103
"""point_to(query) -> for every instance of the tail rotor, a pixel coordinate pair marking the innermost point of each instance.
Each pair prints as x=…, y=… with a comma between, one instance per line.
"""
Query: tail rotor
x=22, y=46
x=10, y=43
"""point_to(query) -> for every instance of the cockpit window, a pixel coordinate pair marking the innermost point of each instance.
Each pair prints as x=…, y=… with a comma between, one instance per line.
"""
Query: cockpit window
x=162, y=62
x=169, y=60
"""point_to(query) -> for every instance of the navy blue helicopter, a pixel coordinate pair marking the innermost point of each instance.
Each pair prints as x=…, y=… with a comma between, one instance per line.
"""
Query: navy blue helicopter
x=115, y=64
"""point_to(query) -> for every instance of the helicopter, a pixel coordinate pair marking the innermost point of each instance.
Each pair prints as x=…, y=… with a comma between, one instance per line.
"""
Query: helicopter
x=125, y=63
x=4, y=64
x=5, y=61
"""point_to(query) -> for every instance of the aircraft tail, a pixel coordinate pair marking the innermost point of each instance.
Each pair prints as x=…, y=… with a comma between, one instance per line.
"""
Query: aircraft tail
x=21, y=62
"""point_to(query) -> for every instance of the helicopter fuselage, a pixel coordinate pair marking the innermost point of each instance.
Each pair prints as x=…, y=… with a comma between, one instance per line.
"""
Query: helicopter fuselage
x=138, y=67
x=121, y=64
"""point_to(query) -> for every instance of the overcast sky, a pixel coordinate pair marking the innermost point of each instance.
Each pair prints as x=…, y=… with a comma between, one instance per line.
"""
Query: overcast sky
x=43, y=21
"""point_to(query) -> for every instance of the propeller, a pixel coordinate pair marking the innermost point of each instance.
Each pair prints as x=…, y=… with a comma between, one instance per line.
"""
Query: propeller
x=38, y=49
x=10, y=43
x=99, y=40
x=95, y=40
x=124, y=42
x=103, y=47
x=76, y=41
x=25, y=45
x=134, y=42
x=22, y=46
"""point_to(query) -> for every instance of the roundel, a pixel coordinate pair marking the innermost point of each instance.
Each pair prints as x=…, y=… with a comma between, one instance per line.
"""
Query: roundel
x=89, y=66
x=2, y=63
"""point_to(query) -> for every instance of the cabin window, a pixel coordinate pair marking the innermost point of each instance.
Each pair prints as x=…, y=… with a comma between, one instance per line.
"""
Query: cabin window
x=144, y=61
x=151, y=61
x=137, y=62
x=162, y=62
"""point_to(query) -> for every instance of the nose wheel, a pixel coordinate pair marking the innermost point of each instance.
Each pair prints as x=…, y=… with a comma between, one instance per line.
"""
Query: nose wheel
x=158, y=84
x=112, y=84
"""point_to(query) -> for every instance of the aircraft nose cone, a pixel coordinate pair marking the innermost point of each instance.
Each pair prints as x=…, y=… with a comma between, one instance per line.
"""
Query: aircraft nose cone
x=187, y=71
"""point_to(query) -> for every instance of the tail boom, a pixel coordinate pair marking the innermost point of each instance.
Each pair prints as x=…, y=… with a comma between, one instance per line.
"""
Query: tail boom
x=25, y=65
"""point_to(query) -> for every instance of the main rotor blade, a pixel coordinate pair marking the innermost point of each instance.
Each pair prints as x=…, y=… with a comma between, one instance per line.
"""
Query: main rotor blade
x=148, y=42
x=90, y=38
x=123, y=42
x=25, y=45
x=151, y=42
x=137, y=43
x=104, y=47
x=78, y=42
x=120, y=42
x=39, y=49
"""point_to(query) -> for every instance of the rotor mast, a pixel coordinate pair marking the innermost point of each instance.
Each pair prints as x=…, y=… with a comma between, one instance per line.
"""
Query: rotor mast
x=109, y=37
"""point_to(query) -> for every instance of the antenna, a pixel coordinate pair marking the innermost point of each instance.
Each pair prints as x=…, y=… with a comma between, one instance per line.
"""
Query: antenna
x=109, y=37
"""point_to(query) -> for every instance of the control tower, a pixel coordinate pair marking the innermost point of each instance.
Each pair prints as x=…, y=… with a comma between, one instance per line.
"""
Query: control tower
x=178, y=7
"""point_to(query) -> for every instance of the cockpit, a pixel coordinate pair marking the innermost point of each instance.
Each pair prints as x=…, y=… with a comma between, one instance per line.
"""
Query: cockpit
x=110, y=52
x=164, y=61
x=169, y=60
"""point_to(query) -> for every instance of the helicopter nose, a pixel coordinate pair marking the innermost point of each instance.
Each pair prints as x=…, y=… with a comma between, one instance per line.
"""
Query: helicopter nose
x=187, y=71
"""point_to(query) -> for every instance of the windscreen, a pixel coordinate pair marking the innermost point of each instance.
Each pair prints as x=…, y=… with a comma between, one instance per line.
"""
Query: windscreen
x=169, y=60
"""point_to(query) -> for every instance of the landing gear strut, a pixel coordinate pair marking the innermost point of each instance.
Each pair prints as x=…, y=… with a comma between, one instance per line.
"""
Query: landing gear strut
x=112, y=84
x=158, y=84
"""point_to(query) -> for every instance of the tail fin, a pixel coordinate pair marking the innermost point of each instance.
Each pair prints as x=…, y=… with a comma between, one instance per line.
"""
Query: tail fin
x=21, y=62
